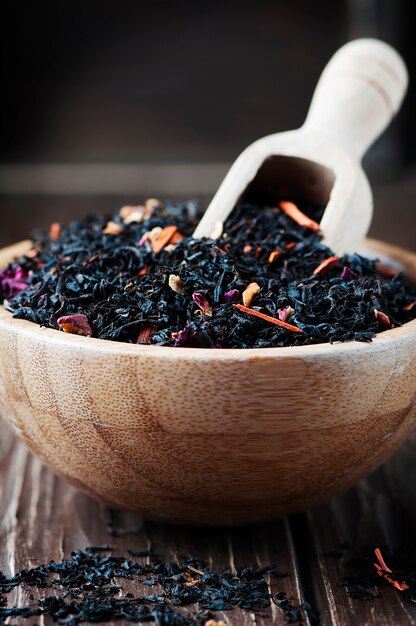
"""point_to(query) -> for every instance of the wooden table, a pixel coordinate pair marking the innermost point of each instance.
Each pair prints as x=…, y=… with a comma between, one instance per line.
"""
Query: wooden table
x=43, y=518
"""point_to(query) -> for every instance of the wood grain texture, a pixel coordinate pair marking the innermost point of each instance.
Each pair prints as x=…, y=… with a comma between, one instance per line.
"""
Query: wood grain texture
x=42, y=517
x=204, y=436
x=358, y=94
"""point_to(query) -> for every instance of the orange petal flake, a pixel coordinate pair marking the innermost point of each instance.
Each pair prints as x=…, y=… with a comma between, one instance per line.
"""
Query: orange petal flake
x=177, y=237
x=145, y=333
x=54, y=231
x=383, y=318
x=326, y=265
x=268, y=318
x=273, y=256
x=383, y=570
x=297, y=216
x=291, y=245
x=163, y=238
x=409, y=307
x=249, y=293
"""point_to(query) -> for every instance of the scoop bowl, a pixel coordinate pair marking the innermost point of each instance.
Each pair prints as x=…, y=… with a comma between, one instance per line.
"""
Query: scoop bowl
x=200, y=436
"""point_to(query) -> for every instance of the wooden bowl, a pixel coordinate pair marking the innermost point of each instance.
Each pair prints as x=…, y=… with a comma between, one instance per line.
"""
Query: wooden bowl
x=208, y=436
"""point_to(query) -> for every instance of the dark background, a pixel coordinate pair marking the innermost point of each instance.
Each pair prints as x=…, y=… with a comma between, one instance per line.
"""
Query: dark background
x=107, y=103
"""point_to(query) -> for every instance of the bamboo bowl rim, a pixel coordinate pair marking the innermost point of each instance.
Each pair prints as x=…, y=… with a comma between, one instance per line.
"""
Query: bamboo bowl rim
x=26, y=328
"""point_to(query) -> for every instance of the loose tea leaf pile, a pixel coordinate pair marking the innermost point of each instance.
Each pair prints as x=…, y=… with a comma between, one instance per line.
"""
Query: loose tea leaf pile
x=268, y=280
x=87, y=587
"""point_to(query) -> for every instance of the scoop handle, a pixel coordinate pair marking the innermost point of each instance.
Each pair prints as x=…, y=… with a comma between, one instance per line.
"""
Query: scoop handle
x=358, y=93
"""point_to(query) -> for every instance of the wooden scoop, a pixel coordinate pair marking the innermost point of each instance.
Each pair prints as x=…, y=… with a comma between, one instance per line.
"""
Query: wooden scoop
x=358, y=94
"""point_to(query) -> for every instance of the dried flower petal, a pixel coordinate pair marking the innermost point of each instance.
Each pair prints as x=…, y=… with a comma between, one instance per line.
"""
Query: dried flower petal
x=76, y=324
x=135, y=217
x=55, y=231
x=291, y=245
x=13, y=281
x=133, y=214
x=247, y=248
x=401, y=585
x=197, y=571
x=231, y=296
x=383, y=318
x=410, y=306
x=125, y=211
x=192, y=582
x=145, y=333
x=201, y=302
x=268, y=318
x=249, y=293
x=163, y=238
x=112, y=228
x=326, y=265
x=184, y=336
x=286, y=313
x=155, y=233
x=347, y=274
x=177, y=237
x=383, y=570
x=176, y=283
x=273, y=256
x=297, y=216
x=153, y=203
x=214, y=622
x=150, y=235
x=143, y=239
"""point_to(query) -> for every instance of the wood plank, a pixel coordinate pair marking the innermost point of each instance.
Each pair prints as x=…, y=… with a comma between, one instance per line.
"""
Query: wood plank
x=43, y=518
x=381, y=511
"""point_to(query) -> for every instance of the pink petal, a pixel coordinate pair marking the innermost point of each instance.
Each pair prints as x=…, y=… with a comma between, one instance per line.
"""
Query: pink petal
x=76, y=324
x=285, y=314
x=231, y=296
x=183, y=337
x=201, y=302
x=347, y=274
